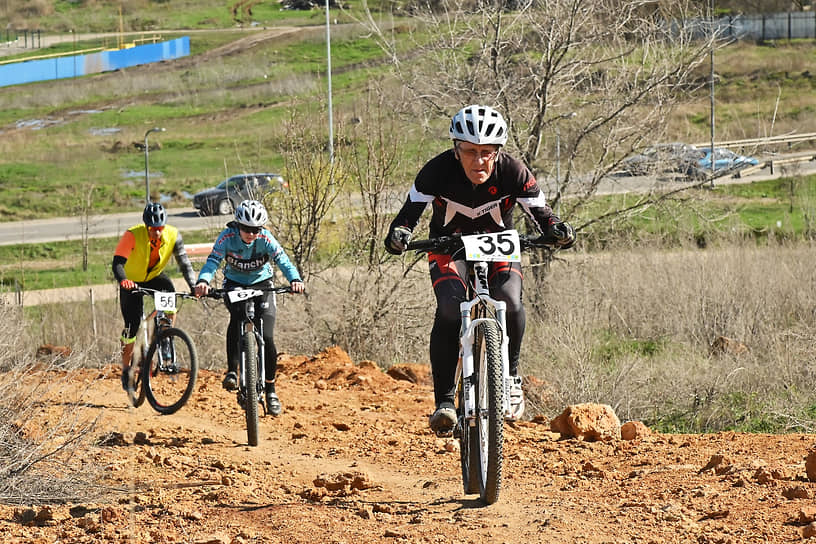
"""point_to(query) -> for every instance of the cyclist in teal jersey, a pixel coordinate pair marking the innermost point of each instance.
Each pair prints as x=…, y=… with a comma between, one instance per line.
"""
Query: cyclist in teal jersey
x=249, y=249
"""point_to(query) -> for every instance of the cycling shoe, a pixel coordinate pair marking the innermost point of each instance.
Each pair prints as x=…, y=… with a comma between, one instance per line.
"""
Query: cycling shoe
x=516, y=399
x=443, y=420
x=126, y=378
x=230, y=382
x=273, y=404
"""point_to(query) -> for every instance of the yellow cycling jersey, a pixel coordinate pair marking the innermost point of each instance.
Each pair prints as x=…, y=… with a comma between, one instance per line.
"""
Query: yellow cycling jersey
x=137, y=267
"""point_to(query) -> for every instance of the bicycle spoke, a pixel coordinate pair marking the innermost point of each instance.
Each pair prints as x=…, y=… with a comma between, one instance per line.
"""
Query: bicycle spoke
x=173, y=371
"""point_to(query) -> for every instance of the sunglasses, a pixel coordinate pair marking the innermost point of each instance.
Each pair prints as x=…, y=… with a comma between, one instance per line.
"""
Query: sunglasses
x=250, y=230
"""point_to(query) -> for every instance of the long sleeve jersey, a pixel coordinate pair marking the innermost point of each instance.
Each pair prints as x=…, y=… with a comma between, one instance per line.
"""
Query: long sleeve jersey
x=247, y=264
x=459, y=206
x=140, y=259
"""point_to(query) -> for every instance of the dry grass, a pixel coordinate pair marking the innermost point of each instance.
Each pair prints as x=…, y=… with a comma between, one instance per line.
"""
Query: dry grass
x=631, y=329
x=634, y=330
x=40, y=464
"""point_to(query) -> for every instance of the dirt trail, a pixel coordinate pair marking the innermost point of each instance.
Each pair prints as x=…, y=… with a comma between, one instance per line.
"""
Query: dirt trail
x=352, y=460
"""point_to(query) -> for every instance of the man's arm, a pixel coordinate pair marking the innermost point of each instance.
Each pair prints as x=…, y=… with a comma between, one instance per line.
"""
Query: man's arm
x=121, y=254
x=184, y=262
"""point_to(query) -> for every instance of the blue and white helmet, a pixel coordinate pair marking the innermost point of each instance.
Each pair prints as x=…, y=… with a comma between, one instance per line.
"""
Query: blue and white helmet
x=478, y=125
x=251, y=213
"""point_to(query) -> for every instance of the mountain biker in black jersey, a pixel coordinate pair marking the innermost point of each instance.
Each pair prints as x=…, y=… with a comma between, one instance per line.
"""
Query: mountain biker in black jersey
x=141, y=255
x=473, y=188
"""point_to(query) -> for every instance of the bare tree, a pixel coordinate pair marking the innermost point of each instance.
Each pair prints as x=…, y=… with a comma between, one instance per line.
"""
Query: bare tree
x=314, y=182
x=619, y=65
x=85, y=210
x=372, y=308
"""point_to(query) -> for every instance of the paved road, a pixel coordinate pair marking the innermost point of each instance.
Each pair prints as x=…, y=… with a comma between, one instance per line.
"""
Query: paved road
x=186, y=219
x=98, y=226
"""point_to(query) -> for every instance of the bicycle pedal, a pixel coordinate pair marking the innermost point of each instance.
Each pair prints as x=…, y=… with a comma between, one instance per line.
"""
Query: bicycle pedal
x=445, y=433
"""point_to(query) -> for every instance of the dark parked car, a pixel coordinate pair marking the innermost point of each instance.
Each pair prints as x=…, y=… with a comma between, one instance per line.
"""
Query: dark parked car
x=672, y=157
x=223, y=198
x=725, y=161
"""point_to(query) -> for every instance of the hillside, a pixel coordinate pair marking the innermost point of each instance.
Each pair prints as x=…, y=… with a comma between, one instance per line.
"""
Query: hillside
x=352, y=460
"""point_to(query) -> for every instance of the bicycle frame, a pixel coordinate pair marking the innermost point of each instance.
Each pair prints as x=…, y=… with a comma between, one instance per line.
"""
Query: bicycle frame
x=156, y=355
x=247, y=299
x=481, y=297
x=248, y=326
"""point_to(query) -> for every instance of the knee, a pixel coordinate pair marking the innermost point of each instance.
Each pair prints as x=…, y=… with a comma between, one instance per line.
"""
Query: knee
x=514, y=306
x=447, y=313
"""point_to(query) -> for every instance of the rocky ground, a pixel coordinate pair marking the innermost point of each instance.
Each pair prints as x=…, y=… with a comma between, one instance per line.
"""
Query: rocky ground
x=351, y=460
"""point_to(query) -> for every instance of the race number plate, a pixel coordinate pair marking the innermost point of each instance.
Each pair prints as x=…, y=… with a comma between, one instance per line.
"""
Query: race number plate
x=165, y=302
x=497, y=246
x=242, y=294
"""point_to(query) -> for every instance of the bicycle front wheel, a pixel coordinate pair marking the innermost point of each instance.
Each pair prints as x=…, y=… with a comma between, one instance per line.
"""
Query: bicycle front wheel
x=489, y=414
x=172, y=372
x=249, y=354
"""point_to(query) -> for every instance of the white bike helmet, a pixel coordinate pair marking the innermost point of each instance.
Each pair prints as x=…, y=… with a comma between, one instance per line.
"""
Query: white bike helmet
x=251, y=213
x=478, y=125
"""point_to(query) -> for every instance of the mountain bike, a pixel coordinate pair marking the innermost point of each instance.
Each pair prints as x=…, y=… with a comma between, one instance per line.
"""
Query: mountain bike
x=482, y=373
x=164, y=365
x=252, y=364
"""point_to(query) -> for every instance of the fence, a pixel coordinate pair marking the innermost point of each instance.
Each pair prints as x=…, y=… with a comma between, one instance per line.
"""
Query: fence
x=61, y=67
x=771, y=26
x=792, y=25
x=22, y=37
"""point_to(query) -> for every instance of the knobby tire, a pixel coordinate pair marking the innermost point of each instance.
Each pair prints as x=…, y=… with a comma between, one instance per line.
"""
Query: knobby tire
x=137, y=363
x=490, y=417
x=169, y=388
x=249, y=354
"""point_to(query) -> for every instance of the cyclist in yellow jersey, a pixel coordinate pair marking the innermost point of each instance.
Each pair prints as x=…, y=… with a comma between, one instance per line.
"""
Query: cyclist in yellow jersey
x=140, y=258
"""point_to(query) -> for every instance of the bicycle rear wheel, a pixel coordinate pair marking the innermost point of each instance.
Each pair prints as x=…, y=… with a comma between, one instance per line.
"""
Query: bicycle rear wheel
x=136, y=390
x=489, y=416
x=173, y=371
x=249, y=354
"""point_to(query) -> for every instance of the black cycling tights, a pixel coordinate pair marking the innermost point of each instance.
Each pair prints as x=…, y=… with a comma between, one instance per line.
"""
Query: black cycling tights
x=449, y=287
x=264, y=312
x=131, y=303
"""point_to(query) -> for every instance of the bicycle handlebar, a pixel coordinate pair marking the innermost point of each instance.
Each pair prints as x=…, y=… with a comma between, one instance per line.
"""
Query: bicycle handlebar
x=222, y=293
x=453, y=243
x=148, y=291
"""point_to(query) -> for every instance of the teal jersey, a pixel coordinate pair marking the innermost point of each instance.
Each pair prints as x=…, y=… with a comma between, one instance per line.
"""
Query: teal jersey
x=247, y=264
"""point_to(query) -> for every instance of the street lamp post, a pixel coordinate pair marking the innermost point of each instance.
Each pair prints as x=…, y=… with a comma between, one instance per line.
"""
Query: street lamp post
x=147, y=170
x=569, y=115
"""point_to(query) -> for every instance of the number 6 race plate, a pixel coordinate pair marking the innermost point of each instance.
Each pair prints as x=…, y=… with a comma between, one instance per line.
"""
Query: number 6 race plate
x=497, y=246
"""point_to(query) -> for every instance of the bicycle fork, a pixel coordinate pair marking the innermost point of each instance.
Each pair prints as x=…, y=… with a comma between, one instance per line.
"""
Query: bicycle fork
x=467, y=335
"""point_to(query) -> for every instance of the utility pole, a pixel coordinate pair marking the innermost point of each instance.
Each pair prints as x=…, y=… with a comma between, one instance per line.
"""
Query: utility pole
x=711, y=83
x=329, y=76
x=147, y=170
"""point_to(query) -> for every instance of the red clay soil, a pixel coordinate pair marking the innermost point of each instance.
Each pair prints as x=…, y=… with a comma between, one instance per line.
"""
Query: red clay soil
x=351, y=460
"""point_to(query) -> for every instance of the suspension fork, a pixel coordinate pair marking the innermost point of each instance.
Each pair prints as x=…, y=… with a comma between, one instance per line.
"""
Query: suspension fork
x=467, y=333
